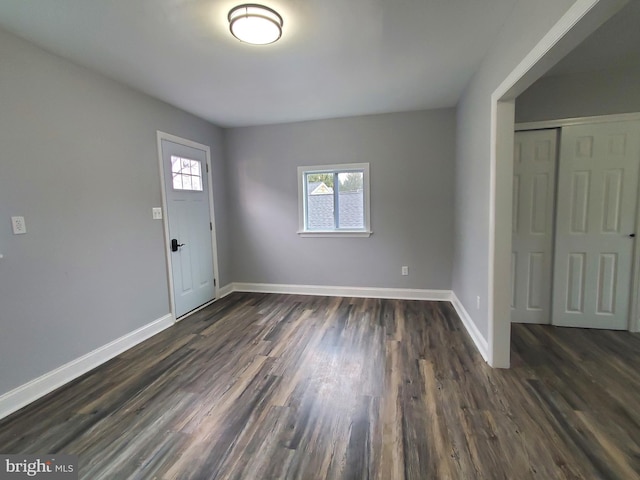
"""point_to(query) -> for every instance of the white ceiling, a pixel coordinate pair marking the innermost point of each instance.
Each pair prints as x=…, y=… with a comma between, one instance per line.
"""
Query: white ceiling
x=336, y=58
x=615, y=45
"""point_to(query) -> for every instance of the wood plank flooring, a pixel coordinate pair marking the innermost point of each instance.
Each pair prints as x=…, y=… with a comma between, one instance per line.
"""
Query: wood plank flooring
x=263, y=386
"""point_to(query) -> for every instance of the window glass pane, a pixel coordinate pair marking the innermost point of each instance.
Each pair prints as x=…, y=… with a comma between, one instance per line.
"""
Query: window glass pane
x=319, y=191
x=177, y=182
x=175, y=164
x=351, y=199
x=195, y=169
x=187, y=174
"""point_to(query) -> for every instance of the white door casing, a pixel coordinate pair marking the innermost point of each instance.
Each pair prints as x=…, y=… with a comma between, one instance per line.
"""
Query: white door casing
x=534, y=175
x=189, y=220
x=596, y=214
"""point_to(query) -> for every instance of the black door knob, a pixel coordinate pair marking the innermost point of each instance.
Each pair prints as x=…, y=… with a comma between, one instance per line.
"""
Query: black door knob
x=632, y=235
x=175, y=245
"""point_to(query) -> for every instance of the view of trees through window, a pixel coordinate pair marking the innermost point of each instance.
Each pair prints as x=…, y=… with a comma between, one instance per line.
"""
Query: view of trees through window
x=349, y=181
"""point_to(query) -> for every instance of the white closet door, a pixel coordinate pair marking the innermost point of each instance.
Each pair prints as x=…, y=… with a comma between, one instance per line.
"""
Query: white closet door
x=596, y=212
x=532, y=242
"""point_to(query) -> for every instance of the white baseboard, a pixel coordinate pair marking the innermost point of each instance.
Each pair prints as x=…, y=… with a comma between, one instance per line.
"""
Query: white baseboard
x=31, y=391
x=226, y=290
x=330, y=291
x=481, y=343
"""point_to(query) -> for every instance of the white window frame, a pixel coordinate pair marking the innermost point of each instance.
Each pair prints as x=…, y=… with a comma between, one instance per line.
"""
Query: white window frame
x=336, y=232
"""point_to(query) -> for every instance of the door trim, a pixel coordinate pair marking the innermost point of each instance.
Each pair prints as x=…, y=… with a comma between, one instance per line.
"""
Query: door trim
x=165, y=221
x=566, y=122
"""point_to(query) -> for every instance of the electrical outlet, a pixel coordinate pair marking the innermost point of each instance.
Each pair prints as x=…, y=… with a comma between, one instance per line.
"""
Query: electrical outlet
x=478, y=302
x=405, y=270
x=156, y=213
x=19, y=227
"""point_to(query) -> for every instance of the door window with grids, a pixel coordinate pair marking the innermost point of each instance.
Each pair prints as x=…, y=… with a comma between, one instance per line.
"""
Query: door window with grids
x=186, y=174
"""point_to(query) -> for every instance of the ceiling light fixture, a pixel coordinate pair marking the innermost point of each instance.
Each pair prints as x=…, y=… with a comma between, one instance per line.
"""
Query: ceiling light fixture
x=255, y=24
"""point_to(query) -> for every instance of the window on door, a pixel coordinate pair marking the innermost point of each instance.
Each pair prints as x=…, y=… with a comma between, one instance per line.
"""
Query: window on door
x=334, y=200
x=186, y=173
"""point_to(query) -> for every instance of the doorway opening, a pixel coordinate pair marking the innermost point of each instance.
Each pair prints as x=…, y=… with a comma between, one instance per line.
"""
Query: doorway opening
x=582, y=19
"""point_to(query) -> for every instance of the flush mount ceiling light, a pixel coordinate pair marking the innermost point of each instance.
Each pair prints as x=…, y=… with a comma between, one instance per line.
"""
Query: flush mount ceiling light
x=255, y=24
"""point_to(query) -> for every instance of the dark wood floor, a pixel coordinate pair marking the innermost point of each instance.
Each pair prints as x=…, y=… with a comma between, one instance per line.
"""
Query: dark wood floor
x=276, y=386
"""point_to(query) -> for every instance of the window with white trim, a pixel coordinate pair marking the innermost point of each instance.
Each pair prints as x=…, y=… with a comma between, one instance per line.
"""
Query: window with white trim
x=333, y=200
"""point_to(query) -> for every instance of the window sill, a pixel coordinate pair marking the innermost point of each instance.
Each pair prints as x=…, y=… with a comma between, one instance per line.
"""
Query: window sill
x=335, y=233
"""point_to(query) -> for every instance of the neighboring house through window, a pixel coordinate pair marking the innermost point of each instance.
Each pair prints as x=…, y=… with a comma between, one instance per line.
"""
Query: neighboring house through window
x=334, y=200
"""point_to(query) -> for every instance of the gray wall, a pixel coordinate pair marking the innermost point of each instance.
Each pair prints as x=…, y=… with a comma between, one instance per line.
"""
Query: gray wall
x=601, y=92
x=411, y=157
x=527, y=24
x=79, y=162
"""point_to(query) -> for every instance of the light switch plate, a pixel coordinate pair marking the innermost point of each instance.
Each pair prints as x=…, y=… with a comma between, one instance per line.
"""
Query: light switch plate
x=156, y=213
x=19, y=227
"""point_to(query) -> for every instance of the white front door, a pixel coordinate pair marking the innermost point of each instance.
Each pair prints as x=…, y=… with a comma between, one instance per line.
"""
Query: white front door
x=596, y=214
x=190, y=225
x=534, y=180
